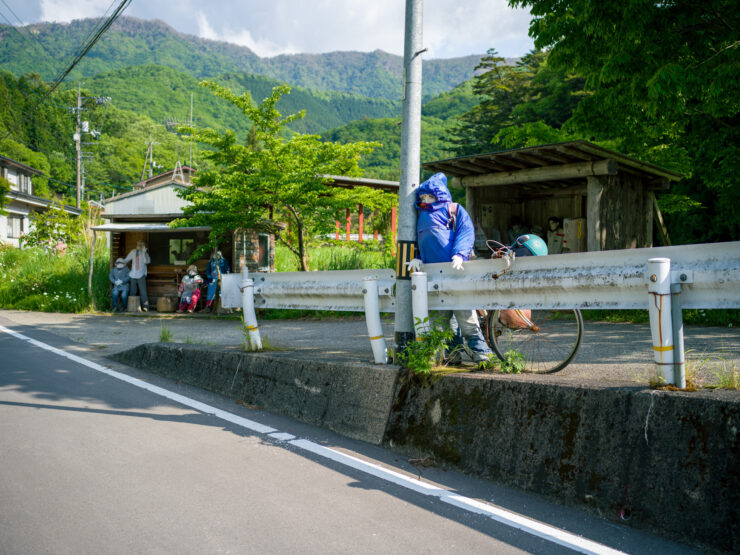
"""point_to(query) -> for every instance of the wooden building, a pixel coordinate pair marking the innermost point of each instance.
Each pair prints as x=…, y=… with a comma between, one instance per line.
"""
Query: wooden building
x=609, y=198
x=145, y=213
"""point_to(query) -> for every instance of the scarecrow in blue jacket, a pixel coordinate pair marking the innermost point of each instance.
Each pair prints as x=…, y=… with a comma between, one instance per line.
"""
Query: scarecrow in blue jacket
x=217, y=266
x=119, y=277
x=445, y=233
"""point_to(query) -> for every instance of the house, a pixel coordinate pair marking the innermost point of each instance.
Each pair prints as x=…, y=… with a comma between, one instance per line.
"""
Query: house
x=21, y=201
x=605, y=199
x=145, y=214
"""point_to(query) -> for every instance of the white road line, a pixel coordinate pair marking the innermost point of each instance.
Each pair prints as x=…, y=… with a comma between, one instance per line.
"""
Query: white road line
x=514, y=520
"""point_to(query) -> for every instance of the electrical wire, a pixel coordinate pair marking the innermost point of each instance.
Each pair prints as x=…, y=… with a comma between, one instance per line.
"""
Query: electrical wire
x=81, y=54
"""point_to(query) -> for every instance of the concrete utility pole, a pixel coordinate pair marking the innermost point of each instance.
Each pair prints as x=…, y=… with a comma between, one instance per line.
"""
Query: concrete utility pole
x=410, y=154
x=78, y=144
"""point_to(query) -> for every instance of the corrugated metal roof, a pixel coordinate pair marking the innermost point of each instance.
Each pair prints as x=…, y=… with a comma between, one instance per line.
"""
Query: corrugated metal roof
x=550, y=155
x=145, y=190
x=148, y=227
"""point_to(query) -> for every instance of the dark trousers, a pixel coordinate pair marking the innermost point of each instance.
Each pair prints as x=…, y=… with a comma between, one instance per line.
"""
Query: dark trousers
x=140, y=284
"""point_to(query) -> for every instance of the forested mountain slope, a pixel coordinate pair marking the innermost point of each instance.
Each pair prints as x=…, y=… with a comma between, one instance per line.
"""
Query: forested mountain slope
x=46, y=47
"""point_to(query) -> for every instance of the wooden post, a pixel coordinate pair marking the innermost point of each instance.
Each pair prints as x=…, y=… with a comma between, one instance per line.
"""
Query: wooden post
x=594, y=194
x=361, y=221
x=470, y=204
x=336, y=236
x=92, y=266
x=375, y=235
x=349, y=223
x=662, y=229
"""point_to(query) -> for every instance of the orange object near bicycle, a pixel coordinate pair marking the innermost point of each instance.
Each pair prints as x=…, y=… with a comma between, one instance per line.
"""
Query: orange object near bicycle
x=547, y=340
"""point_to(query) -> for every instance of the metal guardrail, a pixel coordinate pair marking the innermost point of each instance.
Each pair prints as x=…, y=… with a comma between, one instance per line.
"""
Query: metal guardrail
x=664, y=280
x=604, y=280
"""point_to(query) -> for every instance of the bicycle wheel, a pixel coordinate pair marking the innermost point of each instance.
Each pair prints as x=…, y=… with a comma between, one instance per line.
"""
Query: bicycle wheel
x=547, y=346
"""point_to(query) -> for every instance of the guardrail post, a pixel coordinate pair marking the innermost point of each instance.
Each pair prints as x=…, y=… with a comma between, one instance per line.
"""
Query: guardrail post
x=372, y=318
x=250, y=317
x=419, y=303
x=679, y=368
x=659, y=307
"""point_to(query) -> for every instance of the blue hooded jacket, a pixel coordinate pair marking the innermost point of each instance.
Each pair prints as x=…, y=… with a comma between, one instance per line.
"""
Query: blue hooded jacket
x=437, y=241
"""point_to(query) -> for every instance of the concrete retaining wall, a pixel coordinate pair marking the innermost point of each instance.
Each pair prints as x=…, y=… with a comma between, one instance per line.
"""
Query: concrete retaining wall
x=667, y=462
x=353, y=400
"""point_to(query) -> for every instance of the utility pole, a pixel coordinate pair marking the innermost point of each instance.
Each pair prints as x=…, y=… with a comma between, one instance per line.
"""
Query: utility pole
x=78, y=144
x=190, y=163
x=83, y=128
x=410, y=154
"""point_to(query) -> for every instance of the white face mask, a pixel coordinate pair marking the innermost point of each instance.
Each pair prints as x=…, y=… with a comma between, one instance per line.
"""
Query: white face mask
x=427, y=199
x=120, y=266
x=191, y=273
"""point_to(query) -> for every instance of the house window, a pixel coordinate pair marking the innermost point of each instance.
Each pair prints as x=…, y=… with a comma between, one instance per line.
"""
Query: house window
x=13, y=178
x=15, y=227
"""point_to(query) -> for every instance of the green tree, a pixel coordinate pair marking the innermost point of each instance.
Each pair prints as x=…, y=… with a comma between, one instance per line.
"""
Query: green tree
x=519, y=105
x=285, y=174
x=51, y=225
x=4, y=190
x=663, y=82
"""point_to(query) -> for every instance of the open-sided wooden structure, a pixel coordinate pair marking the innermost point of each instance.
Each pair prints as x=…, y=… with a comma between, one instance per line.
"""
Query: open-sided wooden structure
x=145, y=214
x=611, y=196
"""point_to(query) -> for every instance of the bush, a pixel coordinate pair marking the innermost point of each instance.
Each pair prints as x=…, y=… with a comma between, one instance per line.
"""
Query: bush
x=34, y=279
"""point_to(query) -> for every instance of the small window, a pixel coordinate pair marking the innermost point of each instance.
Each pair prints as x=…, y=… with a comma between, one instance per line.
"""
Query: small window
x=15, y=227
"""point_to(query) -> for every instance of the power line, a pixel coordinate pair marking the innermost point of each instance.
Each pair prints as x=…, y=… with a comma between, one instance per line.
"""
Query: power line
x=81, y=54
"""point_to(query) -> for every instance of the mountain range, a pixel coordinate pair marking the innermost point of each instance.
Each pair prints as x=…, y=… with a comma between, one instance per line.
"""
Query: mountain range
x=43, y=47
x=151, y=71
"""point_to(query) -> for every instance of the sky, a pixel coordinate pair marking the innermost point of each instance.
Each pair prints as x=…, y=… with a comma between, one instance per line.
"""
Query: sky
x=271, y=27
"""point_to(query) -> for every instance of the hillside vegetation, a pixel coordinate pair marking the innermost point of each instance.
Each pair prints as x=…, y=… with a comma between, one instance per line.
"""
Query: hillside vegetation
x=44, y=47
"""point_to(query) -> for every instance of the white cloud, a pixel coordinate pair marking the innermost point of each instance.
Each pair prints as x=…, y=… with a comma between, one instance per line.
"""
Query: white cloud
x=242, y=37
x=65, y=11
x=451, y=27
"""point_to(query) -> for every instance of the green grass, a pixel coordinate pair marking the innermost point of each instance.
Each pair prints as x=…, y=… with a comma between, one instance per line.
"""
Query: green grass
x=333, y=255
x=165, y=334
x=694, y=317
x=337, y=255
x=32, y=279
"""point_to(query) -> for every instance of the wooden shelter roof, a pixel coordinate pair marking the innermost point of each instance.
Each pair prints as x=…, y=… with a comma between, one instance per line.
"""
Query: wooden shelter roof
x=554, y=165
x=350, y=182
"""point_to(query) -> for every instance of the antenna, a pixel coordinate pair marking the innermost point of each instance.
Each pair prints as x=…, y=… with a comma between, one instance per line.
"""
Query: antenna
x=172, y=123
x=149, y=159
x=178, y=172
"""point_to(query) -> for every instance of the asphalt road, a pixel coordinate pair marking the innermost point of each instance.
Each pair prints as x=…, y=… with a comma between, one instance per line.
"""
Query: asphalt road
x=94, y=463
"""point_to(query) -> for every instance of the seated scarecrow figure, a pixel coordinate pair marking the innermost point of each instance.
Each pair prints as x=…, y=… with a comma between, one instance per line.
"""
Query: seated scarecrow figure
x=190, y=289
x=445, y=233
x=119, y=277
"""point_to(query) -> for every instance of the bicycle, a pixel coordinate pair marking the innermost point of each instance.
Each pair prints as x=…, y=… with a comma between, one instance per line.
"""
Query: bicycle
x=547, y=340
